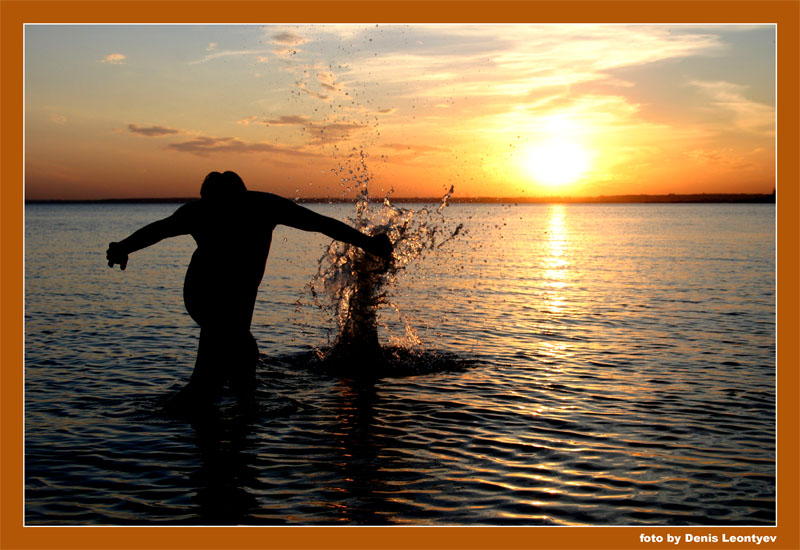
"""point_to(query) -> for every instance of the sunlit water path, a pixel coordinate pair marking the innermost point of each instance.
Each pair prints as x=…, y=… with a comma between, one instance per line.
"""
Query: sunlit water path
x=577, y=364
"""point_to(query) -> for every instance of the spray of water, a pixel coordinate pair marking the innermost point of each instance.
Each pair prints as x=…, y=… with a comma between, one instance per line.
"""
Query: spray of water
x=353, y=285
x=350, y=285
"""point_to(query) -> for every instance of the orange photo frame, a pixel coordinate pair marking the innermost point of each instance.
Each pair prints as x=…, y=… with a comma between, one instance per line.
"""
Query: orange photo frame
x=15, y=14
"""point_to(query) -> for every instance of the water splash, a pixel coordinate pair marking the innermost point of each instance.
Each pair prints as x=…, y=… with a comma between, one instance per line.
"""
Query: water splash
x=353, y=285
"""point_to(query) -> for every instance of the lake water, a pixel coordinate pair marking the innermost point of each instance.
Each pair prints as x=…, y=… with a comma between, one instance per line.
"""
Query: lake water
x=576, y=365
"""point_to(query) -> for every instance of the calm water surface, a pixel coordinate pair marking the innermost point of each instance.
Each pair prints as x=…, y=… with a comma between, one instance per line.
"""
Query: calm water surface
x=599, y=365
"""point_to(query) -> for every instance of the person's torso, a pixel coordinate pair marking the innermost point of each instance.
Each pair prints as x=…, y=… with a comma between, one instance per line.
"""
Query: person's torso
x=233, y=239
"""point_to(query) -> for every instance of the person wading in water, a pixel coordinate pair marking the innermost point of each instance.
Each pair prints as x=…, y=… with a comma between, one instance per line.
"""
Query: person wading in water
x=233, y=231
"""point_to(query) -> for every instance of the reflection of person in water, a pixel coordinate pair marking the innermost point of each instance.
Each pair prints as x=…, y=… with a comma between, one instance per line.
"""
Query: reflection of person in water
x=233, y=230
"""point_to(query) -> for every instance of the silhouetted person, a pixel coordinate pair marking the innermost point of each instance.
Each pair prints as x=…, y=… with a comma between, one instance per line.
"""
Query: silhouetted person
x=233, y=230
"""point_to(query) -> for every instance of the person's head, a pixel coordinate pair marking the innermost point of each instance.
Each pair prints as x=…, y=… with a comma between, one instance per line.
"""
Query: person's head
x=220, y=186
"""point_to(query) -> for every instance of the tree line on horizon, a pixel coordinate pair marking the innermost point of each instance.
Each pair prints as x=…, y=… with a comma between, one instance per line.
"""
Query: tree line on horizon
x=641, y=198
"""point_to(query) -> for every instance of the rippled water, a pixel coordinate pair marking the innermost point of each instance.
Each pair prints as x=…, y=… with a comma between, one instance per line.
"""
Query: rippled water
x=579, y=364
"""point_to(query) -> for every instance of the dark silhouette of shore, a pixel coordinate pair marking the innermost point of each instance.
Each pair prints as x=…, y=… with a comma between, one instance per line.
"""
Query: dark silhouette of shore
x=765, y=198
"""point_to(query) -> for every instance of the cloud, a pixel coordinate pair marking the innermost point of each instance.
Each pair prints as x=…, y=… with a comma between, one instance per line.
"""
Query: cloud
x=114, y=59
x=285, y=120
x=152, y=131
x=284, y=53
x=206, y=145
x=58, y=119
x=288, y=37
x=322, y=134
x=319, y=132
x=304, y=88
x=328, y=81
x=287, y=43
x=730, y=101
x=485, y=61
x=324, y=80
x=227, y=53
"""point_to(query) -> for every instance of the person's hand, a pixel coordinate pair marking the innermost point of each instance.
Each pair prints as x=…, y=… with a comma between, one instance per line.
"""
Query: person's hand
x=115, y=255
x=381, y=246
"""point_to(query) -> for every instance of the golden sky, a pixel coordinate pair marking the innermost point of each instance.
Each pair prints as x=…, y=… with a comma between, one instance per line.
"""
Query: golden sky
x=116, y=111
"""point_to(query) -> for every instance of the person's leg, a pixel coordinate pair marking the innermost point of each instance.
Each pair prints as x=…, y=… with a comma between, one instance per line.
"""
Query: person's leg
x=242, y=367
x=206, y=382
x=241, y=347
x=208, y=375
x=225, y=355
x=227, y=350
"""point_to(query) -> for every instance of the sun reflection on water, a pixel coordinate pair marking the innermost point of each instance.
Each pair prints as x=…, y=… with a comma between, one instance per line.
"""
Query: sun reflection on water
x=555, y=263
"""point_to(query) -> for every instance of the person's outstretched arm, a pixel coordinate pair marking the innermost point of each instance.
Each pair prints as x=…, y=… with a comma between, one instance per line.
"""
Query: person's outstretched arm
x=292, y=214
x=148, y=235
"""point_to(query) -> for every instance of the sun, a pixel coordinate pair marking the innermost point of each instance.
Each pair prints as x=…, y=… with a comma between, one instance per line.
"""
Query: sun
x=557, y=162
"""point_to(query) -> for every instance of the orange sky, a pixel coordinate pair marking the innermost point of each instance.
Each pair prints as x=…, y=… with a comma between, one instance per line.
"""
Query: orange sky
x=310, y=111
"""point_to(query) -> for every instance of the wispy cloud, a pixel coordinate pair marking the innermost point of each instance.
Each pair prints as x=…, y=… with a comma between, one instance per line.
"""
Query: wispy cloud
x=114, y=59
x=319, y=133
x=303, y=87
x=227, y=53
x=206, y=145
x=328, y=81
x=288, y=37
x=322, y=134
x=285, y=120
x=287, y=43
x=152, y=131
x=743, y=113
x=481, y=63
x=284, y=52
x=322, y=85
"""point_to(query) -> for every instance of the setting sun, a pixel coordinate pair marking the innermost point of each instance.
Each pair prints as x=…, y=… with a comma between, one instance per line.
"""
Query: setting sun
x=557, y=162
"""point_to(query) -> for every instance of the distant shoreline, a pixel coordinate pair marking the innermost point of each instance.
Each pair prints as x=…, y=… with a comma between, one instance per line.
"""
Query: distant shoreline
x=761, y=198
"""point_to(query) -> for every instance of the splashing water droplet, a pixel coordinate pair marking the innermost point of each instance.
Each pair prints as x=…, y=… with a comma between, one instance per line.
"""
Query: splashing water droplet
x=352, y=284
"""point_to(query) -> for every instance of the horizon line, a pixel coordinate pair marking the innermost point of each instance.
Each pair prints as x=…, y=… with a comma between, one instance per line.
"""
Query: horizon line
x=608, y=199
